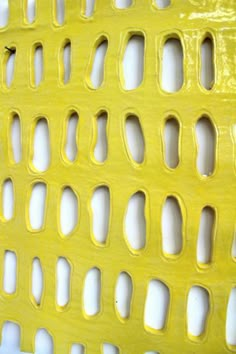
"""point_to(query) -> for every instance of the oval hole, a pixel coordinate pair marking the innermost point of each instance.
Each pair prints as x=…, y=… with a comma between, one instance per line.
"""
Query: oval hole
x=156, y=305
x=66, y=62
x=10, y=337
x=38, y=64
x=110, y=349
x=171, y=134
x=231, y=319
x=10, y=66
x=63, y=282
x=97, y=73
x=16, y=138
x=43, y=342
x=123, y=294
x=172, y=238
x=10, y=271
x=31, y=10
x=71, y=148
x=89, y=7
x=41, y=149
x=60, y=5
x=100, y=150
x=68, y=211
x=37, y=206
x=205, y=235
x=133, y=63
x=135, y=139
x=77, y=349
x=162, y=4
x=101, y=213
x=37, y=280
x=197, y=310
x=233, y=250
x=8, y=199
x=135, y=221
x=123, y=4
x=206, y=141
x=151, y=352
x=4, y=13
x=92, y=292
x=172, y=65
x=207, y=64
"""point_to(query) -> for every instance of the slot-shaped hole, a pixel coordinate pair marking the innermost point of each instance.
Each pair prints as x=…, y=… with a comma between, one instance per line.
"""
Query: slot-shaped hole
x=123, y=295
x=230, y=327
x=37, y=206
x=151, y=352
x=198, y=307
x=92, y=292
x=162, y=4
x=101, y=213
x=134, y=138
x=110, y=349
x=156, y=305
x=100, y=149
x=133, y=63
x=98, y=67
x=172, y=66
x=41, y=145
x=171, y=142
x=89, y=6
x=10, y=272
x=16, y=138
x=10, y=65
x=233, y=250
x=206, y=146
x=4, y=12
x=8, y=199
x=68, y=211
x=43, y=342
x=60, y=11
x=38, y=64
x=66, y=62
x=71, y=148
x=10, y=338
x=63, y=282
x=77, y=349
x=205, y=235
x=30, y=10
x=37, y=281
x=122, y=4
x=135, y=221
x=207, y=63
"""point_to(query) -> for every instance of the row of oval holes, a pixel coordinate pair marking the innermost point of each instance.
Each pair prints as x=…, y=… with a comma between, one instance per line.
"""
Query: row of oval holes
x=134, y=141
x=133, y=64
x=156, y=304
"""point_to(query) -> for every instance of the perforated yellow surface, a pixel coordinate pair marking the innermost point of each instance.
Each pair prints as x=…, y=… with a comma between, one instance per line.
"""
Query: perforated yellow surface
x=190, y=21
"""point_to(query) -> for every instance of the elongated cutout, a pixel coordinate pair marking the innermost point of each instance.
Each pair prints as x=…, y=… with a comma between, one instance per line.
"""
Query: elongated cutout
x=43, y=342
x=101, y=213
x=135, y=222
x=110, y=349
x=38, y=64
x=134, y=138
x=31, y=10
x=10, y=272
x=89, y=6
x=98, y=68
x=92, y=292
x=233, y=250
x=37, y=281
x=16, y=138
x=206, y=146
x=37, y=206
x=10, y=65
x=68, y=211
x=63, y=282
x=207, y=63
x=133, y=63
x=41, y=147
x=231, y=319
x=172, y=66
x=205, y=235
x=162, y=4
x=60, y=11
x=100, y=150
x=66, y=62
x=151, y=352
x=172, y=238
x=77, y=349
x=171, y=142
x=123, y=295
x=198, y=307
x=10, y=337
x=122, y=4
x=71, y=147
x=156, y=305
x=4, y=13
x=8, y=199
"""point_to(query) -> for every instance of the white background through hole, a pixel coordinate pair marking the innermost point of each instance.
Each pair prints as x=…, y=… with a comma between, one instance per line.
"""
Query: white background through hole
x=133, y=71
